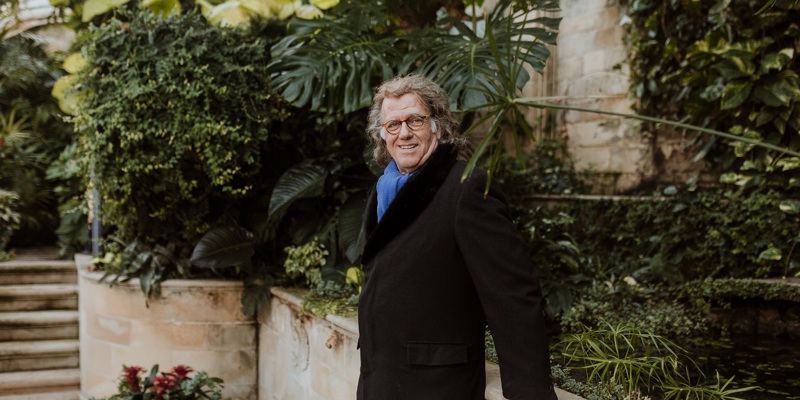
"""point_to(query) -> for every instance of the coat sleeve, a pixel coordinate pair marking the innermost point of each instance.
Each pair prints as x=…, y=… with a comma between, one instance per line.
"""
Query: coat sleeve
x=499, y=263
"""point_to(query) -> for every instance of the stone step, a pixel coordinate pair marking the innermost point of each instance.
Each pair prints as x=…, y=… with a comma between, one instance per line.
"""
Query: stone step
x=38, y=325
x=37, y=272
x=38, y=297
x=54, y=384
x=38, y=355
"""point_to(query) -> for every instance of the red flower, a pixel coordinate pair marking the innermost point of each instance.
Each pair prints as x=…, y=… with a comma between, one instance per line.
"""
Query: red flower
x=181, y=371
x=131, y=375
x=164, y=384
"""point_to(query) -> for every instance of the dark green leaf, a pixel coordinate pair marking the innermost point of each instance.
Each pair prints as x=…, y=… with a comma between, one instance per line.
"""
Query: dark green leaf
x=303, y=180
x=351, y=234
x=223, y=247
x=735, y=93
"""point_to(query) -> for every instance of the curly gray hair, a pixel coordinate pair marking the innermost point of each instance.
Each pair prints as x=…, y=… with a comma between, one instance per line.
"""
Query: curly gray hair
x=429, y=94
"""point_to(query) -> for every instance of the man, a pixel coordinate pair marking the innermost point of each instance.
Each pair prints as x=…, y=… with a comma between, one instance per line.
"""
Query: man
x=441, y=261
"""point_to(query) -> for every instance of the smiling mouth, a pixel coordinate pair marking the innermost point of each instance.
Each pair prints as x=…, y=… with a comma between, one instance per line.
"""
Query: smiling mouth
x=407, y=147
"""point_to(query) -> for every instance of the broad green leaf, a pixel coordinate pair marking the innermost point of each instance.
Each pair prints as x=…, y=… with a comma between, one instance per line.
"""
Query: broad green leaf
x=777, y=91
x=355, y=276
x=286, y=8
x=229, y=13
x=772, y=254
x=788, y=163
x=777, y=61
x=162, y=7
x=307, y=11
x=262, y=8
x=351, y=235
x=303, y=180
x=223, y=247
x=93, y=8
x=74, y=63
x=791, y=207
x=324, y=4
x=64, y=93
x=735, y=93
x=331, y=65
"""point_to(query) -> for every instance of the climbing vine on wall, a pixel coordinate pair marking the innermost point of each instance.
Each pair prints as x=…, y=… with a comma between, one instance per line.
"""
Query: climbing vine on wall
x=730, y=65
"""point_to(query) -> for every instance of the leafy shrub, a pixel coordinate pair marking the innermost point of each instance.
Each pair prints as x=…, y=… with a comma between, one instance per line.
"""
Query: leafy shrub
x=180, y=136
x=730, y=66
x=32, y=134
x=9, y=220
x=690, y=235
x=654, y=310
x=177, y=129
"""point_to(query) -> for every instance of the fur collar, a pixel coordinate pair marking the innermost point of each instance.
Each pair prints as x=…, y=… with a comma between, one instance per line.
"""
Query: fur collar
x=412, y=198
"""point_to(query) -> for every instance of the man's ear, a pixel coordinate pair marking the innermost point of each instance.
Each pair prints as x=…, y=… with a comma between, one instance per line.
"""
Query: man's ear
x=383, y=133
x=434, y=128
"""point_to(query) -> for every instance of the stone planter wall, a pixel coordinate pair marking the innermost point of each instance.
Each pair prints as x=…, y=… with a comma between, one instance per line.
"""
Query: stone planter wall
x=312, y=358
x=198, y=323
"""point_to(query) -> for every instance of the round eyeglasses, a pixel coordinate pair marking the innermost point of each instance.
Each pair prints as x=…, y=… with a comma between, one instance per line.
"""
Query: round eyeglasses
x=413, y=122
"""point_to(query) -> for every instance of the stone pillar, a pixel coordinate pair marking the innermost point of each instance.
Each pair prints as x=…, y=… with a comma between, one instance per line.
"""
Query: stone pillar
x=593, y=73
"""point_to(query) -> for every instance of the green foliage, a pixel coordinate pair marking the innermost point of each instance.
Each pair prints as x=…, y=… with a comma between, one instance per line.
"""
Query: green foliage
x=9, y=217
x=562, y=268
x=330, y=297
x=306, y=261
x=176, y=137
x=72, y=206
x=562, y=378
x=549, y=169
x=642, y=362
x=689, y=235
x=32, y=134
x=703, y=294
x=725, y=66
x=656, y=310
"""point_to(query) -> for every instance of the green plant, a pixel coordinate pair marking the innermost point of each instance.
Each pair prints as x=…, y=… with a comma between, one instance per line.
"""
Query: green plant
x=483, y=67
x=173, y=385
x=214, y=151
x=562, y=378
x=689, y=234
x=642, y=362
x=306, y=261
x=9, y=221
x=32, y=134
x=655, y=309
x=730, y=66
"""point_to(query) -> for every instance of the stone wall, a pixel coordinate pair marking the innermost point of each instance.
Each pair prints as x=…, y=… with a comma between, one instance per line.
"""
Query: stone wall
x=197, y=323
x=592, y=73
x=306, y=357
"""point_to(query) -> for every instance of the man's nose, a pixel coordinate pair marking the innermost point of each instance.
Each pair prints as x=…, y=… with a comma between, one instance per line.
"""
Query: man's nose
x=405, y=131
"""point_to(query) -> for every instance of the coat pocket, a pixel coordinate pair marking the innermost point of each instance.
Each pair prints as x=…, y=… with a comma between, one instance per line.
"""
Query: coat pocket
x=426, y=353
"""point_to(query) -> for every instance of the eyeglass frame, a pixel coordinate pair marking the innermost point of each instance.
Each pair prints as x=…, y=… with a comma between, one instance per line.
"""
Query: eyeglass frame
x=404, y=121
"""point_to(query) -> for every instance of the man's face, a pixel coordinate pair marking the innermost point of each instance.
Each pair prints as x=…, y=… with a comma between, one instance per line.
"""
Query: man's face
x=409, y=148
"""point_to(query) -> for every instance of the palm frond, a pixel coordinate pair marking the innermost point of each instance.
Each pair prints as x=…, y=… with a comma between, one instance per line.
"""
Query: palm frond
x=475, y=61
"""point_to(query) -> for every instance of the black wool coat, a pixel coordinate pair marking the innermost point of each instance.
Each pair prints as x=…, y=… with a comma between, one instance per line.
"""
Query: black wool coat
x=444, y=261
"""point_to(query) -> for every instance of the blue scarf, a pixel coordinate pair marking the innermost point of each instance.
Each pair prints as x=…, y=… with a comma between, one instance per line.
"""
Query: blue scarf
x=388, y=185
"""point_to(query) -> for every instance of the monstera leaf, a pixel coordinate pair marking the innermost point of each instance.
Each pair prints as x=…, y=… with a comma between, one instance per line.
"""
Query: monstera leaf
x=331, y=65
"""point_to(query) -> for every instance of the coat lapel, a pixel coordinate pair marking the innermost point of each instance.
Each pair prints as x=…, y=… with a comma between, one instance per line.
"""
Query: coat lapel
x=410, y=201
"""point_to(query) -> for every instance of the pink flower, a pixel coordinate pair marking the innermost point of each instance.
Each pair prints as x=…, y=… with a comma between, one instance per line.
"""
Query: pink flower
x=181, y=371
x=164, y=384
x=131, y=375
